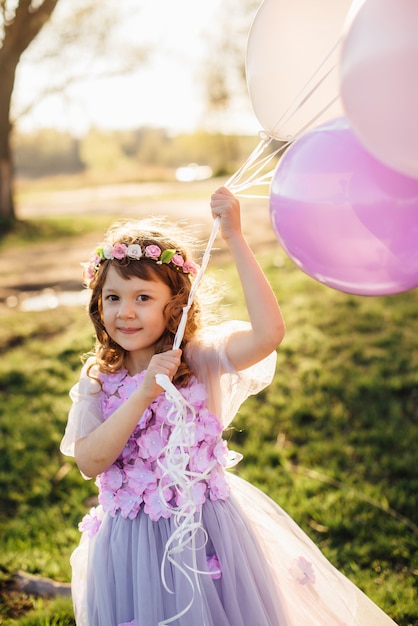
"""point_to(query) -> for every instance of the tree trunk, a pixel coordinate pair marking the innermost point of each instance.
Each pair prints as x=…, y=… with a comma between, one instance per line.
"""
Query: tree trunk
x=7, y=208
x=18, y=34
x=7, y=72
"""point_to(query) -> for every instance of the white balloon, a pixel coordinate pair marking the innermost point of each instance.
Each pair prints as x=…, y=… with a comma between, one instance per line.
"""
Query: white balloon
x=354, y=9
x=288, y=43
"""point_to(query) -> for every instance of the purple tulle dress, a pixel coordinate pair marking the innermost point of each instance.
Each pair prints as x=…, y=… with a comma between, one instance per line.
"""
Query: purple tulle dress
x=177, y=538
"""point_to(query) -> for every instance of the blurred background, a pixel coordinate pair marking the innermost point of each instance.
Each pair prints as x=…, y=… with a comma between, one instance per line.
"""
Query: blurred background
x=124, y=108
x=128, y=91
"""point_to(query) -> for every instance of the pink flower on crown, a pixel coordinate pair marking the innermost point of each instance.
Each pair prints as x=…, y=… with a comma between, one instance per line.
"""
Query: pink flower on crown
x=190, y=267
x=178, y=260
x=119, y=250
x=89, y=274
x=153, y=252
x=134, y=251
x=95, y=259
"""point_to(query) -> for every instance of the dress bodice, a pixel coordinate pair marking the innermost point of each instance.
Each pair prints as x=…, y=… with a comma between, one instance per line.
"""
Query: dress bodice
x=141, y=476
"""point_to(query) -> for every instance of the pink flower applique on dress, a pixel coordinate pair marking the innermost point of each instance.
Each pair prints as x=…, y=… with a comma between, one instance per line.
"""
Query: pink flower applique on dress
x=143, y=476
x=90, y=523
x=198, y=494
x=196, y=394
x=112, y=478
x=219, y=488
x=107, y=500
x=128, y=502
x=302, y=571
x=214, y=566
x=157, y=506
x=151, y=442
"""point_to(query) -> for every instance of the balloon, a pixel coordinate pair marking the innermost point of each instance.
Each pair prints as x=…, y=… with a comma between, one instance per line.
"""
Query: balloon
x=355, y=6
x=287, y=43
x=343, y=217
x=378, y=72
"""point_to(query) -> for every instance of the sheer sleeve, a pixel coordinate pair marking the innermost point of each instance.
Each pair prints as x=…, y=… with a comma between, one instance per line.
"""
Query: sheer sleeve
x=227, y=387
x=85, y=414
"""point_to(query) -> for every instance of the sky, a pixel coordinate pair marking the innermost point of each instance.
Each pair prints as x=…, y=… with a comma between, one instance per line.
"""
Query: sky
x=167, y=92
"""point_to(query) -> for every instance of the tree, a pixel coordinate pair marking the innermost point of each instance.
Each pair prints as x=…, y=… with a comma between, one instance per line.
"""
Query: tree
x=226, y=89
x=20, y=24
x=76, y=44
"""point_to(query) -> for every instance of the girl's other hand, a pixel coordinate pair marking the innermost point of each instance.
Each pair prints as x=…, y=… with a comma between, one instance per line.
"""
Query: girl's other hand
x=227, y=207
x=163, y=363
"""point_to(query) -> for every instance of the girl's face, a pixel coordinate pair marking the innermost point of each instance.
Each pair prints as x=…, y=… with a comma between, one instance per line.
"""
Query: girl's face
x=133, y=315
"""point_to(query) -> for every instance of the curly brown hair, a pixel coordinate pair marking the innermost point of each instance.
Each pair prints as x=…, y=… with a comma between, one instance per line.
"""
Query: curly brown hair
x=110, y=356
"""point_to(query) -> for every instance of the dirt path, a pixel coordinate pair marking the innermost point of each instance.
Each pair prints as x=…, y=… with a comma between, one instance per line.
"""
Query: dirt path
x=56, y=265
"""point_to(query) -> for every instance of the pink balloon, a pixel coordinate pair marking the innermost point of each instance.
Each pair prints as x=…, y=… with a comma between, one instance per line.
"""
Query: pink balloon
x=343, y=217
x=378, y=70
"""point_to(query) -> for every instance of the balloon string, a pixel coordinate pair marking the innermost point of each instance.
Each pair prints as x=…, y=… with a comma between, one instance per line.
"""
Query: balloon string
x=255, y=161
x=300, y=99
x=205, y=260
x=305, y=99
x=240, y=183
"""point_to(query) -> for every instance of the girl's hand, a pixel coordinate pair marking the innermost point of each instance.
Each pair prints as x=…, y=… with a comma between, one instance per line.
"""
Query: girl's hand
x=226, y=206
x=164, y=363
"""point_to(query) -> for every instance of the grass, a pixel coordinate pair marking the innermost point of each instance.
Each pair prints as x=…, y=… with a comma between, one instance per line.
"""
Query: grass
x=333, y=440
x=49, y=229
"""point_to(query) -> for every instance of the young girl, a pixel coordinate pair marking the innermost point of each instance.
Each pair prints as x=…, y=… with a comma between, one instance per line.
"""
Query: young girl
x=176, y=539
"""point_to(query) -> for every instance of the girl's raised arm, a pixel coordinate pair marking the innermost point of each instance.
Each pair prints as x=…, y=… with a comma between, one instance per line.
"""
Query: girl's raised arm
x=245, y=348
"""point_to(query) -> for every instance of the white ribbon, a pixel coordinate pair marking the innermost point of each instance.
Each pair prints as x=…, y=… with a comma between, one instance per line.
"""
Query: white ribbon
x=188, y=516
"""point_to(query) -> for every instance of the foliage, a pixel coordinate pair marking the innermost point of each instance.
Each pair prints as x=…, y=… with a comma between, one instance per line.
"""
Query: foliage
x=333, y=439
x=51, y=152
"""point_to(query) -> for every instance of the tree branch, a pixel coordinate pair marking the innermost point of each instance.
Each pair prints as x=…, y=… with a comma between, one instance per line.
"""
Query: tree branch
x=27, y=23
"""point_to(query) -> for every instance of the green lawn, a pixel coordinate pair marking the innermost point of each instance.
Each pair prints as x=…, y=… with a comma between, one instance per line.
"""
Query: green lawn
x=334, y=440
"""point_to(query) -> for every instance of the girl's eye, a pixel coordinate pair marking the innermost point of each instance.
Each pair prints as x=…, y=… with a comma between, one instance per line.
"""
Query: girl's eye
x=143, y=298
x=112, y=298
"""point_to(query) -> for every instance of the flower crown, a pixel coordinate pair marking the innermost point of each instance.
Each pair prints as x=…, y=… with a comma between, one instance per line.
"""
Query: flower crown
x=134, y=251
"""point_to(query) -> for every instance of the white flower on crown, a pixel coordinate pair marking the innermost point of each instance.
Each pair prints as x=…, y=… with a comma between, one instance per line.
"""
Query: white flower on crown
x=134, y=251
x=108, y=251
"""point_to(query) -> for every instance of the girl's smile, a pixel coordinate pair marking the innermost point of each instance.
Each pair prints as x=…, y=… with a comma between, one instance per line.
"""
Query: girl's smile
x=133, y=314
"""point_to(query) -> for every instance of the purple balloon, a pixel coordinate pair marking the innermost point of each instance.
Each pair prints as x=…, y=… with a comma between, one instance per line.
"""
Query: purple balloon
x=344, y=218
